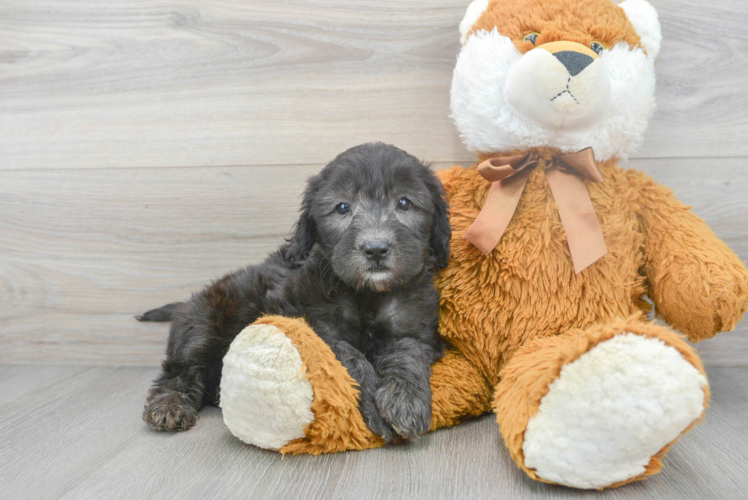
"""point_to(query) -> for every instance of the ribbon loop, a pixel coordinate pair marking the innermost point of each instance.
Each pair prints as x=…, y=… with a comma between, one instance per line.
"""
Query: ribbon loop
x=509, y=176
x=583, y=163
x=498, y=169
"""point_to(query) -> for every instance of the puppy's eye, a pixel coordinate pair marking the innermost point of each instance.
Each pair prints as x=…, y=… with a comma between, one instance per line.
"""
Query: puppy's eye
x=342, y=208
x=532, y=37
x=404, y=203
x=597, y=47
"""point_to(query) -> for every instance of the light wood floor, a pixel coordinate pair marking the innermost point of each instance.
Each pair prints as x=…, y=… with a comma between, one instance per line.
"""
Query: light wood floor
x=76, y=433
x=147, y=147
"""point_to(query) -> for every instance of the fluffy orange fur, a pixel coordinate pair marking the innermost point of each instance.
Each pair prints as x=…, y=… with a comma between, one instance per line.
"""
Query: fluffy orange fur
x=581, y=21
x=514, y=318
x=525, y=297
x=525, y=380
x=527, y=288
x=337, y=424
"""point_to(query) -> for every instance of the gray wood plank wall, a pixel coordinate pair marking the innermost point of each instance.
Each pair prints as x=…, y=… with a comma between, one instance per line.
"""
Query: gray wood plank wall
x=146, y=148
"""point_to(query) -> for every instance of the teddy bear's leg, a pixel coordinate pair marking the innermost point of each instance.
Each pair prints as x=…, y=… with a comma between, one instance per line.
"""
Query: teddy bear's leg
x=599, y=407
x=458, y=390
x=283, y=389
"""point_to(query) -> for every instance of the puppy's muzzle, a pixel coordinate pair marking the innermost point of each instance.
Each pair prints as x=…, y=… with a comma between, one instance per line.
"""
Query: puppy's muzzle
x=376, y=250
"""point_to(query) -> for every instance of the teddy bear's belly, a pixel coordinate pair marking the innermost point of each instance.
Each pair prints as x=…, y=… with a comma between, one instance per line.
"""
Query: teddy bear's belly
x=527, y=286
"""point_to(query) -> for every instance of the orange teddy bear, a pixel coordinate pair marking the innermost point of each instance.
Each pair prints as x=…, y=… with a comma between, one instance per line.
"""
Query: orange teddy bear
x=554, y=249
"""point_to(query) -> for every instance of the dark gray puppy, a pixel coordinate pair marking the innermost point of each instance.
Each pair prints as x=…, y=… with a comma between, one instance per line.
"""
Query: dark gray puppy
x=359, y=268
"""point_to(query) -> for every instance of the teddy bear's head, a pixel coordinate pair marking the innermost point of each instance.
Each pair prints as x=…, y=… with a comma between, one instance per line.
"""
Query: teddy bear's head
x=566, y=74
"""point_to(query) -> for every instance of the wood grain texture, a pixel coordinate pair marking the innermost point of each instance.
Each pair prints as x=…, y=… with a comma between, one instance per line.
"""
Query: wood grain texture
x=76, y=433
x=93, y=84
x=83, y=251
x=148, y=147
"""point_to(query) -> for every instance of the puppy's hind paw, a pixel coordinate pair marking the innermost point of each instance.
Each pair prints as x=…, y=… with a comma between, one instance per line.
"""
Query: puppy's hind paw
x=169, y=413
x=406, y=407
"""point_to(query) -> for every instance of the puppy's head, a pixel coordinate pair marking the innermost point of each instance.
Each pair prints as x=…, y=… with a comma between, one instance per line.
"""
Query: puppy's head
x=377, y=214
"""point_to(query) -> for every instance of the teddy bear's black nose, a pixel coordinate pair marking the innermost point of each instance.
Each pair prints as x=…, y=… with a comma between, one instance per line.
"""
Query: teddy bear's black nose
x=575, y=62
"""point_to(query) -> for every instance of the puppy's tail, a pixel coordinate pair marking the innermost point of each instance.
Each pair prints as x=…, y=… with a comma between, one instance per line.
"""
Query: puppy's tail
x=163, y=313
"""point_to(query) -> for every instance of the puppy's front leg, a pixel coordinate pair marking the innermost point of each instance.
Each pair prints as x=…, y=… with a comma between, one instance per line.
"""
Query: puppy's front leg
x=404, y=394
x=363, y=372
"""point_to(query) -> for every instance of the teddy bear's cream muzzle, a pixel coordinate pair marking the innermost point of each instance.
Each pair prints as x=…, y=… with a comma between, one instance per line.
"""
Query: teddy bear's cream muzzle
x=559, y=86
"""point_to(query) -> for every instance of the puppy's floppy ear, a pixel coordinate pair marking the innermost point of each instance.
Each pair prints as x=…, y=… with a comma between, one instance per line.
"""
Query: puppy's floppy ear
x=441, y=231
x=305, y=233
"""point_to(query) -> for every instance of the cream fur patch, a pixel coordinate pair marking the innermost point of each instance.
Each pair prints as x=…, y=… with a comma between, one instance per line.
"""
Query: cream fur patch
x=611, y=410
x=265, y=397
x=487, y=124
x=541, y=90
x=644, y=18
x=473, y=13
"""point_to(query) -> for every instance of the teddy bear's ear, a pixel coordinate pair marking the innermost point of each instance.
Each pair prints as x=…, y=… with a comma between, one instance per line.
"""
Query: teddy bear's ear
x=474, y=11
x=644, y=18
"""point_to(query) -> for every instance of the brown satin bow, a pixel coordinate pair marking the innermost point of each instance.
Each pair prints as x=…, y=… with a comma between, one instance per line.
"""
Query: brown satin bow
x=509, y=176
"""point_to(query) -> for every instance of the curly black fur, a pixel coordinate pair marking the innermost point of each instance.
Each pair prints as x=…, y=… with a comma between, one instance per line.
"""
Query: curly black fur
x=377, y=310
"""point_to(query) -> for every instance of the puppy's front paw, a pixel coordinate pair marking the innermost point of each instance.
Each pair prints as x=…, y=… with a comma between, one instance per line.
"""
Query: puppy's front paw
x=406, y=406
x=167, y=412
x=380, y=427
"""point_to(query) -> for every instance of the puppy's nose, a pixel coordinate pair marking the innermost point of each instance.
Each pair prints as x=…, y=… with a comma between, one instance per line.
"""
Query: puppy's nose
x=376, y=250
x=575, y=62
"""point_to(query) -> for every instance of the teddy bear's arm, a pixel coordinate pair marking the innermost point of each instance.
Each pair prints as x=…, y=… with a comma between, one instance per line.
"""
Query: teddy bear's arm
x=696, y=282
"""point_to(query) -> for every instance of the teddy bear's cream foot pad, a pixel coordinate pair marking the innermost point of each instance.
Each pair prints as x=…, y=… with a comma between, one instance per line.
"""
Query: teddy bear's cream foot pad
x=265, y=396
x=611, y=410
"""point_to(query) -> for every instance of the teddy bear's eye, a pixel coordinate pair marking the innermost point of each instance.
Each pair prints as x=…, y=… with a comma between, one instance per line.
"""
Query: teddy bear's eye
x=532, y=37
x=598, y=47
